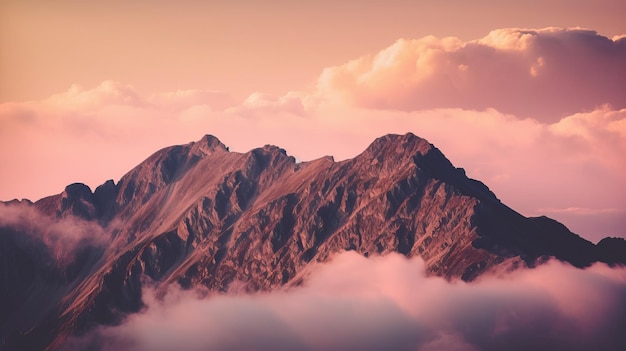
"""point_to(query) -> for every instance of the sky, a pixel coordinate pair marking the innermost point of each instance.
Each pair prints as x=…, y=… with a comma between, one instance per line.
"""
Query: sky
x=528, y=97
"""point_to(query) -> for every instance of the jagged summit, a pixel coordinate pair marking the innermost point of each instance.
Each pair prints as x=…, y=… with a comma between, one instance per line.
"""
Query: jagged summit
x=198, y=215
x=209, y=144
x=408, y=143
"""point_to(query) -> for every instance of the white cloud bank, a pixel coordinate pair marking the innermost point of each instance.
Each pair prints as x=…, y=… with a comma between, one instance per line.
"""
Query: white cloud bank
x=387, y=303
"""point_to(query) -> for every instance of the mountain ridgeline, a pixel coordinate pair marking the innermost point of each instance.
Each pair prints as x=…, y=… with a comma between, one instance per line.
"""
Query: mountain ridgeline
x=198, y=215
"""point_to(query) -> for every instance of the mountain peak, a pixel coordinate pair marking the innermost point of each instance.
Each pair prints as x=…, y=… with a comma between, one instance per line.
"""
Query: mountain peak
x=209, y=143
x=408, y=144
x=77, y=190
x=273, y=149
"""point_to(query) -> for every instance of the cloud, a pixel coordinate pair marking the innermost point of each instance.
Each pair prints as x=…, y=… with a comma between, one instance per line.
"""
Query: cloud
x=91, y=135
x=383, y=303
x=259, y=103
x=183, y=99
x=62, y=237
x=107, y=93
x=575, y=162
x=544, y=74
x=111, y=93
x=572, y=158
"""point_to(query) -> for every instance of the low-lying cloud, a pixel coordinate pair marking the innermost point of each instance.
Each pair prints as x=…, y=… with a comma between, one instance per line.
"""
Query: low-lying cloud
x=62, y=237
x=387, y=303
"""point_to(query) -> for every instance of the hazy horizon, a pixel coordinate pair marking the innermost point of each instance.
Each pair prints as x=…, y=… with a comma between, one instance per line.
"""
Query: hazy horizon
x=538, y=114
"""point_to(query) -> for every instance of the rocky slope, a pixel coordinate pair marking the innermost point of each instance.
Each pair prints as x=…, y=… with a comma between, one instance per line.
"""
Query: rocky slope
x=199, y=215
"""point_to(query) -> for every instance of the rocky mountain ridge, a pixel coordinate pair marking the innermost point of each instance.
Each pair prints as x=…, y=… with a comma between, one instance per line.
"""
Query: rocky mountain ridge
x=199, y=215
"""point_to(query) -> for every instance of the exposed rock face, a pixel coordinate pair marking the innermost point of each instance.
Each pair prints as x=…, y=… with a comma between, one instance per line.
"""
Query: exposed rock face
x=198, y=214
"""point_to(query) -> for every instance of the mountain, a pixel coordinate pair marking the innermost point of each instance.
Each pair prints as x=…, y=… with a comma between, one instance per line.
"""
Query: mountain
x=199, y=215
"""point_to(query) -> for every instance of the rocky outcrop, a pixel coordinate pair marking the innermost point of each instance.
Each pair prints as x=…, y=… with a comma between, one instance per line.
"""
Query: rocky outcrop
x=199, y=215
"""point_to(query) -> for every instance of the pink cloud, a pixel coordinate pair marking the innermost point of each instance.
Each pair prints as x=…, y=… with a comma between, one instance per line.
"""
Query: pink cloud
x=91, y=135
x=571, y=161
x=258, y=103
x=355, y=303
x=107, y=93
x=544, y=74
x=111, y=93
x=181, y=99
x=529, y=164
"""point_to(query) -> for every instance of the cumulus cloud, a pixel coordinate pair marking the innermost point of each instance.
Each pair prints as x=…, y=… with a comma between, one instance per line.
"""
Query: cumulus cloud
x=258, y=103
x=544, y=74
x=388, y=303
x=455, y=94
x=111, y=93
x=106, y=93
x=90, y=135
x=575, y=162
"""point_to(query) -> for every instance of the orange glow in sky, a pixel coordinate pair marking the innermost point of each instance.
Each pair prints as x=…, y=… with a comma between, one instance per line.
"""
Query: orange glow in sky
x=526, y=96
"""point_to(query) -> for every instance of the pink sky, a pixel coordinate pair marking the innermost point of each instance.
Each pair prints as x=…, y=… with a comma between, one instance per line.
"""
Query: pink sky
x=538, y=114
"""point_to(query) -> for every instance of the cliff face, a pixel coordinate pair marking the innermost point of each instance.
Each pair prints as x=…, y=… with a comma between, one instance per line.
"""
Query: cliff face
x=198, y=214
